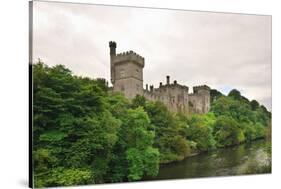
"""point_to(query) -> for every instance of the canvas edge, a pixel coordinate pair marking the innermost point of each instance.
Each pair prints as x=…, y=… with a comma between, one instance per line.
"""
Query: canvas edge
x=30, y=96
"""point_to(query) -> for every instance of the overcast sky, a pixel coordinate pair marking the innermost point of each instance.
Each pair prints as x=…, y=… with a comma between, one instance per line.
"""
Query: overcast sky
x=223, y=51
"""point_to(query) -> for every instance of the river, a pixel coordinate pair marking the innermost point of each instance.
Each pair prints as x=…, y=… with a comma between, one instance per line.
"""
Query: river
x=248, y=158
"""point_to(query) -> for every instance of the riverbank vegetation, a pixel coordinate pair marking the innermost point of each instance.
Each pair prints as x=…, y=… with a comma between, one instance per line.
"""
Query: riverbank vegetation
x=85, y=134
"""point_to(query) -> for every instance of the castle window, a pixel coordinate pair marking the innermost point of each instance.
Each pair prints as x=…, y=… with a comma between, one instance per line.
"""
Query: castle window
x=137, y=72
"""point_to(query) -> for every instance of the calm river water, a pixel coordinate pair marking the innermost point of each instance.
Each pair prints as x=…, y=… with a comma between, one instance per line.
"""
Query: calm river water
x=248, y=158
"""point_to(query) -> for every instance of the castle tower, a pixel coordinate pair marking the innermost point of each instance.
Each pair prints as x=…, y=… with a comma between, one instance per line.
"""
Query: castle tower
x=126, y=72
x=200, y=99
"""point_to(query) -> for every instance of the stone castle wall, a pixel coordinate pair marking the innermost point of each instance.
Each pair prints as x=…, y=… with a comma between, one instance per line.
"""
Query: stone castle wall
x=127, y=77
x=174, y=96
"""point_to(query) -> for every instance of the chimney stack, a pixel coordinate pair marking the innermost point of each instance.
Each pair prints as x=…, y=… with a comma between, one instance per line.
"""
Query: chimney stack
x=175, y=82
x=160, y=84
x=146, y=87
x=168, y=80
x=151, y=88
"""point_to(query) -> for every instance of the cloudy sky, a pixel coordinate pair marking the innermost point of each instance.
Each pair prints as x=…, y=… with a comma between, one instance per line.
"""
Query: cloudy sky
x=224, y=51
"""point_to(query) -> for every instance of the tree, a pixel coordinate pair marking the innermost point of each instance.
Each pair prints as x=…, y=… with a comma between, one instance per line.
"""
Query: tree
x=200, y=131
x=73, y=132
x=170, y=133
x=227, y=132
x=138, y=101
x=138, y=134
x=215, y=94
x=254, y=105
x=234, y=93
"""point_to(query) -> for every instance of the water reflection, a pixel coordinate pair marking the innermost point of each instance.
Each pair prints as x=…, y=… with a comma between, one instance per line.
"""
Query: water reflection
x=250, y=158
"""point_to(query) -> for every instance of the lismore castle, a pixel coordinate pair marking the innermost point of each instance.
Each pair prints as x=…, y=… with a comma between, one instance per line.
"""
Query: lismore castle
x=126, y=71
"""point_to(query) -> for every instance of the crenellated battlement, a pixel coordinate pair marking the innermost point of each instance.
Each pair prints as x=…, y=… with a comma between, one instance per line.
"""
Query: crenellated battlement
x=169, y=85
x=198, y=88
x=129, y=56
x=112, y=44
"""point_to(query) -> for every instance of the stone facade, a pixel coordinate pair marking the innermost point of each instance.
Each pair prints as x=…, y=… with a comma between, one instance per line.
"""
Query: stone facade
x=127, y=76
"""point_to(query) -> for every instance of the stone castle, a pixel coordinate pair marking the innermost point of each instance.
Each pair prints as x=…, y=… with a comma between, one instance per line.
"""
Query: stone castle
x=126, y=71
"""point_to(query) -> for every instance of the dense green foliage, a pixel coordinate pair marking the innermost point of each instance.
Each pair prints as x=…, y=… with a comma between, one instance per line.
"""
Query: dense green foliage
x=83, y=133
x=239, y=119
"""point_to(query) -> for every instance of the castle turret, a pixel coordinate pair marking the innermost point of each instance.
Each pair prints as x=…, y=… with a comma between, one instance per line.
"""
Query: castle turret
x=112, y=46
x=200, y=99
x=201, y=89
